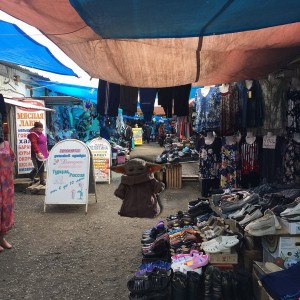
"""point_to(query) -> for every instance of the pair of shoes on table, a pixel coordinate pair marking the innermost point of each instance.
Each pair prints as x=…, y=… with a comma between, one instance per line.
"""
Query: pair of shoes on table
x=251, y=217
x=220, y=244
x=266, y=225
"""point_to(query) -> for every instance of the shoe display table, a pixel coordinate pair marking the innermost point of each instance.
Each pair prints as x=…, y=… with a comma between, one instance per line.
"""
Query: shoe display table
x=173, y=176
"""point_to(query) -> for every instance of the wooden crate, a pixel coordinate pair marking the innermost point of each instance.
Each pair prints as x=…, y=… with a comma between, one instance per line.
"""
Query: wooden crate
x=173, y=176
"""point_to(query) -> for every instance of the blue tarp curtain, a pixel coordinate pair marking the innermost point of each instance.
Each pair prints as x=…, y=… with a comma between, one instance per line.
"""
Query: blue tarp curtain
x=18, y=48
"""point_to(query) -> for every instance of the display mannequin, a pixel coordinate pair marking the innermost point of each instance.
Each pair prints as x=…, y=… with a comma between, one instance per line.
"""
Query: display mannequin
x=205, y=90
x=209, y=139
x=224, y=88
x=248, y=84
x=295, y=84
x=250, y=138
x=269, y=134
x=230, y=140
x=296, y=137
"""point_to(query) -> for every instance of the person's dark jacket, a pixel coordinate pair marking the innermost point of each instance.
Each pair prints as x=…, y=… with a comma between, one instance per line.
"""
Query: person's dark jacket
x=139, y=195
x=128, y=133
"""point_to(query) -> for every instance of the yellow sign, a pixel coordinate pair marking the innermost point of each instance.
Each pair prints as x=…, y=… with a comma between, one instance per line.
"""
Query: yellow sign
x=137, y=136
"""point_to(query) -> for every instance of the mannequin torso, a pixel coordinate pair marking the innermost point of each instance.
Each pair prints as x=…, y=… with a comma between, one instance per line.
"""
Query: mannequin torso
x=224, y=88
x=209, y=139
x=296, y=137
x=229, y=140
x=205, y=90
x=250, y=138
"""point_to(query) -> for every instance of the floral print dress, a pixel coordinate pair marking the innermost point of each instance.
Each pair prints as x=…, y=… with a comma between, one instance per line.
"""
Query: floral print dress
x=229, y=171
x=292, y=162
x=209, y=162
x=6, y=188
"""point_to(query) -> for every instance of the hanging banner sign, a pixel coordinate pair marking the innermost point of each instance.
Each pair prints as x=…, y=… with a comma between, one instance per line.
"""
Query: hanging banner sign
x=68, y=173
x=25, y=118
x=138, y=136
x=101, y=152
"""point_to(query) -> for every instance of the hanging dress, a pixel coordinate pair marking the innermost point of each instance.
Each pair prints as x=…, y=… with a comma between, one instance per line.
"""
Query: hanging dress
x=6, y=188
x=229, y=175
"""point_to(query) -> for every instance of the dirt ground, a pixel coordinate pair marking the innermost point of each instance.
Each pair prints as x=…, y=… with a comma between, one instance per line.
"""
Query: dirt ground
x=65, y=254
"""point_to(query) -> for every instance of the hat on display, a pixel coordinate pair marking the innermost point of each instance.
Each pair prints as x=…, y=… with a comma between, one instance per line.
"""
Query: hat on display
x=38, y=125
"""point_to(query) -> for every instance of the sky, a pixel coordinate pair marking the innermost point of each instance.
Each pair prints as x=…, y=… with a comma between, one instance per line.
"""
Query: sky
x=84, y=78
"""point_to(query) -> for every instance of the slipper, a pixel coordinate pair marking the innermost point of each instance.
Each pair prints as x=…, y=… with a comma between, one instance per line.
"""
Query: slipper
x=197, y=262
x=1, y=249
x=222, y=243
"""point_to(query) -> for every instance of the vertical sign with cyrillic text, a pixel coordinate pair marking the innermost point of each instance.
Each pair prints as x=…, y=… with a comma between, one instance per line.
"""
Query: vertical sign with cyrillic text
x=25, y=118
x=101, y=151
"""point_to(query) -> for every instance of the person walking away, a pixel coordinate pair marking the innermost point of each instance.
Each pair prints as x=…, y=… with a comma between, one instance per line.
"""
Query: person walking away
x=7, y=157
x=128, y=135
x=161, y=135
x=39, y=151
x=147, y=131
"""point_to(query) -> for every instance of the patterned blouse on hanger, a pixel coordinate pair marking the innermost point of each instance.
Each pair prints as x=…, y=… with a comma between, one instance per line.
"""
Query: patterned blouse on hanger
x=208, y=110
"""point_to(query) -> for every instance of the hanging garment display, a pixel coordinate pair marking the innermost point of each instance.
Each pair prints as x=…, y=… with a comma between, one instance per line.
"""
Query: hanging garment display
x=272, y=166
x=210, y=158
x=230, y=163
x=165, y=99
x=108, y=98
x=207, y=103
x=147, y=99
x=250, y=162
x=273, y=94
x=251, y=106
x=293, y=111
x=128, y=99
x=229, y=109
x=181, y=100
x=292, y=162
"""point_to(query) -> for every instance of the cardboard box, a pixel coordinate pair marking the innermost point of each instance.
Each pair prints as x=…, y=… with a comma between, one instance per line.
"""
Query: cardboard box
x=292, y=228
x=287, y=248
x=223, y=258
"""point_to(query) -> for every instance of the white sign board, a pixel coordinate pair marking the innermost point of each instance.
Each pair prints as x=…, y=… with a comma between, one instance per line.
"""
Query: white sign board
x=269, y=142
x=25, y=118
x=101, y=151
x=68, y=173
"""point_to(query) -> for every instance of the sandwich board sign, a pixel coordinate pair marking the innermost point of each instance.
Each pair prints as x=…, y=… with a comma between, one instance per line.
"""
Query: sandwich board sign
x=101, y=153
x=68, y=174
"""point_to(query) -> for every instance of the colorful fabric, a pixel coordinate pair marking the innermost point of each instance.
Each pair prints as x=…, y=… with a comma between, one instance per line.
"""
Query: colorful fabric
x=229, y=111
x=7, y=157
x=293, y=111
x=273, y=93
x=292, y=162
x=208, y=110
x=229, y=174
x=209, y=162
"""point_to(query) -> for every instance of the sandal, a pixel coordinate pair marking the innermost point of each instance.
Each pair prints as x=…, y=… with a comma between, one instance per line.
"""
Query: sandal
x=220, y=244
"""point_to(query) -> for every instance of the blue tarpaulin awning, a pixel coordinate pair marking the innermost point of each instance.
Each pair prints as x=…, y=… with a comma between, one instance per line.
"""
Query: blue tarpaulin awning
x=82, y=92
x=18, y=48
